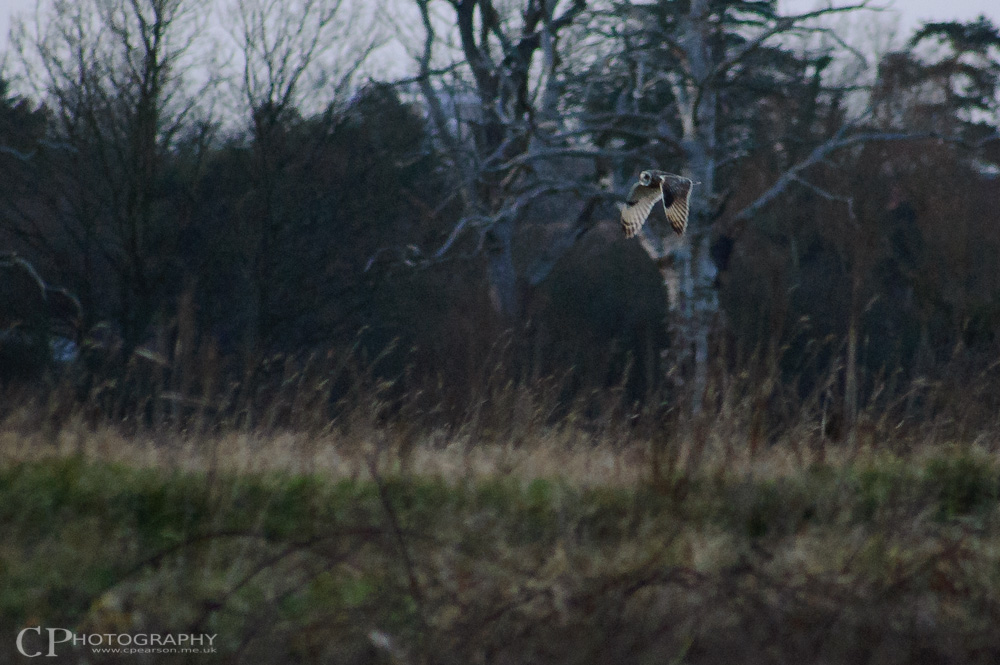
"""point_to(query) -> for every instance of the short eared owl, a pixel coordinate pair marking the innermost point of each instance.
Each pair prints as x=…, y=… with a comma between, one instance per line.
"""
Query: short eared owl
x=653, y=186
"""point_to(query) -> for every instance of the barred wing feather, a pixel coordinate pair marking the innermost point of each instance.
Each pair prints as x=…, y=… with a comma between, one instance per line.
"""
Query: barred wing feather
x=676, y=194
x=636, y=208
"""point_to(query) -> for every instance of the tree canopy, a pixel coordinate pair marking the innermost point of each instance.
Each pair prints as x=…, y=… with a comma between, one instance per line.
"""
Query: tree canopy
x=843, y=231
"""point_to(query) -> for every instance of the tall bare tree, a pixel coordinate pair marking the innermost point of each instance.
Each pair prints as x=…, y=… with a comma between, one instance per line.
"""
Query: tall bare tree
x=498, y=117
x=695, y=78
x=290, y=57
x=617, y=87
x=112, y=73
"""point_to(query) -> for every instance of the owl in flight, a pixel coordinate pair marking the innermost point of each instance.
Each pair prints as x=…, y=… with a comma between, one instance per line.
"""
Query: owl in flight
x=653, y=186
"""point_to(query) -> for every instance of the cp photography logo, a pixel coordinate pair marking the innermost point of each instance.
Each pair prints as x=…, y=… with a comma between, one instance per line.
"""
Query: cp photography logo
x=36, y=641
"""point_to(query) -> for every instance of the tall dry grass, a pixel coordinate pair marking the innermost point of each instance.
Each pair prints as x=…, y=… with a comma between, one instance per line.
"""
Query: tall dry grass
x=335, y=412
x=314, y=510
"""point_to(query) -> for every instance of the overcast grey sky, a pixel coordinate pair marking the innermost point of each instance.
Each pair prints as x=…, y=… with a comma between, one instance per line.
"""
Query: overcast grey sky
x=910, y=12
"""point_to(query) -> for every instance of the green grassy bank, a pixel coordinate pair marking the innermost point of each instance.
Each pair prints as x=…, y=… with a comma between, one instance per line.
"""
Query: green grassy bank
x=888, y=558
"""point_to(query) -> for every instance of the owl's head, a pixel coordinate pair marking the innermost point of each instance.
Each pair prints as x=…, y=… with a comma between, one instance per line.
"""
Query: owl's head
x=646, y=178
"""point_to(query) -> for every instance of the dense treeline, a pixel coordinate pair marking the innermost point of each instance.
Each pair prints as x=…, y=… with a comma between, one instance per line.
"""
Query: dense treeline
x=844, y=239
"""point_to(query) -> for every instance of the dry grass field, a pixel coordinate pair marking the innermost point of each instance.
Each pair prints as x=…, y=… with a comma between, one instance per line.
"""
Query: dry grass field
x=514, y=536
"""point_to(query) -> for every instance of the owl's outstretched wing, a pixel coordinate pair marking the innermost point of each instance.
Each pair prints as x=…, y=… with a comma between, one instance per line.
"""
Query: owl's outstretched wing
x=636, y=208
x=676, y=192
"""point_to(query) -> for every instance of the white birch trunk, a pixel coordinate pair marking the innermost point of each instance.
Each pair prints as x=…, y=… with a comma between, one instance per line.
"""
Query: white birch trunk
x=686, y=266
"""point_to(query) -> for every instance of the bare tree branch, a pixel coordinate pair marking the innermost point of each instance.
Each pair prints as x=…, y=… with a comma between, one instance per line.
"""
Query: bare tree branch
x=841, y=139
x=782, y=24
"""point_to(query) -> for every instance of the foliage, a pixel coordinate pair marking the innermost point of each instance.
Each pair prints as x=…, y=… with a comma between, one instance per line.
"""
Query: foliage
x=461, y=220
